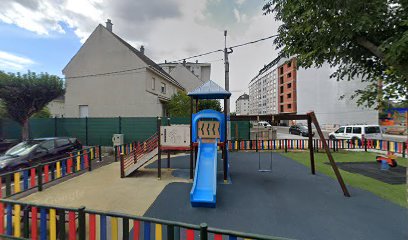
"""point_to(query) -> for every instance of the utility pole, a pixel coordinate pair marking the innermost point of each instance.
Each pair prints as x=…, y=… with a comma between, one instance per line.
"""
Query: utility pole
x=226, y=64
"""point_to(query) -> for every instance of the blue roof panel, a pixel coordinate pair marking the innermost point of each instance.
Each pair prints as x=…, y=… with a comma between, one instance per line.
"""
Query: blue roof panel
x=209, y=90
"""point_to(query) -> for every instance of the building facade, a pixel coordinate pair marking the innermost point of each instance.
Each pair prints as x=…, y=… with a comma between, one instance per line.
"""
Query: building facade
x=189, y=75
x=201, y=70
x=300, y=90
x=56, y=107
x=263, y=92
x=108, y=77
x=242, y=105
x=287, y=87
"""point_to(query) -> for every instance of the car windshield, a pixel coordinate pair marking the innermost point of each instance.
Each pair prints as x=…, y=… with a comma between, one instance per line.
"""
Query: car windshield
x=22, y=149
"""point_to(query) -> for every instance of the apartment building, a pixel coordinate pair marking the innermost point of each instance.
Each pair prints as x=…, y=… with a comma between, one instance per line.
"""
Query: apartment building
x=282, y=87
x=242, y=105
x=263, y=91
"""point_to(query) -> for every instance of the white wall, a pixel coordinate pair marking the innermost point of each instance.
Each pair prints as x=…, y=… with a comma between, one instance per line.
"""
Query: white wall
x=317, y=91
x=124, y=94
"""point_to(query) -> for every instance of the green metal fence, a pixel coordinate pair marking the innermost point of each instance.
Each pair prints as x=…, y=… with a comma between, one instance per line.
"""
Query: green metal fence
x=99, y=131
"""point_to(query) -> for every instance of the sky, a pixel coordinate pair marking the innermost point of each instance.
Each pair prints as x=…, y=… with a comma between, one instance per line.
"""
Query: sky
x=43, y=35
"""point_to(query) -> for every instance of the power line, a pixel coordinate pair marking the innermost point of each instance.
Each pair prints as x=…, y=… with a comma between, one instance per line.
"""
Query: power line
x=220, y=50
x=108, y=73
x=252, y=42
x=195, y=56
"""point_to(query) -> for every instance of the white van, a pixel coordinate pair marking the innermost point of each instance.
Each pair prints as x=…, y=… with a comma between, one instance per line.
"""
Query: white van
x=357, y=132
x=264, y=124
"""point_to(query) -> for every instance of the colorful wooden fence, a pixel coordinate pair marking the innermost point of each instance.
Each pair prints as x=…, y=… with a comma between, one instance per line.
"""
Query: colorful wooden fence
x=32, y=221
x=36, y=176
x=301, y=144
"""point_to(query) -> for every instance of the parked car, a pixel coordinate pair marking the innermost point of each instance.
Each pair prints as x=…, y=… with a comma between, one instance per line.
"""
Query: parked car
x=6, y=144
x=357, y=132
x=264, y=124
x=32, y=152
x=299, y=130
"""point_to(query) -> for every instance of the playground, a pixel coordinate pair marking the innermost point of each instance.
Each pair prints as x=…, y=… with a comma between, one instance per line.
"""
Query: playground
x=187, y=175
x=287, y=202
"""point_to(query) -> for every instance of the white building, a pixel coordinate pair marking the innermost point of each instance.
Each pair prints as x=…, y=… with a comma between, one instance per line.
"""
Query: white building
x=301, y=90
x=242, y=105
x=56, y=107
x=190, y=75
x=108, y=77
x=263, y=92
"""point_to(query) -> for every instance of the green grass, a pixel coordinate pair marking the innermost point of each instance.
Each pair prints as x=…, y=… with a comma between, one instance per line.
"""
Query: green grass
x=394, y=193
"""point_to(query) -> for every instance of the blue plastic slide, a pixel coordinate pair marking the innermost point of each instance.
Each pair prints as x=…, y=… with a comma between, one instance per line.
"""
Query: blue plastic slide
x=204, y=190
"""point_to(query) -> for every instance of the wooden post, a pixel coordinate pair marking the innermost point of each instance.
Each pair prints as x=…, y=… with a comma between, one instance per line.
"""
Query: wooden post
x=329, y=155
x=122, y=166
x=168, y=159
x=311, y=153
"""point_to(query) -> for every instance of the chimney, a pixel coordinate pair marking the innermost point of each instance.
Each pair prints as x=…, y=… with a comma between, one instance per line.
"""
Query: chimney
x=109, y=25
x=142, y=49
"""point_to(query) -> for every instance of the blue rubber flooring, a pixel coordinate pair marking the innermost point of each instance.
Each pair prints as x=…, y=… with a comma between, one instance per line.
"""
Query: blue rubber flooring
x=287, y=202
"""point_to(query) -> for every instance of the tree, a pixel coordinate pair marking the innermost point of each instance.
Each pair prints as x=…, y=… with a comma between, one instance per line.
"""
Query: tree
x=43, y=113
x=25, y=94
x=365, y=39
x=179, y=105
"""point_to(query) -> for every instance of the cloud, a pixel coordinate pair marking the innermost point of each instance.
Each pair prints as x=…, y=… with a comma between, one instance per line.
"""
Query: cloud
x=12, y=62
x=169, y=30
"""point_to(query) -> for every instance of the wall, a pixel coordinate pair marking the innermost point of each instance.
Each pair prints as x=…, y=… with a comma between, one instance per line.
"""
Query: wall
x=111, y=95
x=316, y=91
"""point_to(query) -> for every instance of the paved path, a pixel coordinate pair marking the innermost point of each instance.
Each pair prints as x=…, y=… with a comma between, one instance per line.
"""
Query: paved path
x=103, y=189
x=289, y=202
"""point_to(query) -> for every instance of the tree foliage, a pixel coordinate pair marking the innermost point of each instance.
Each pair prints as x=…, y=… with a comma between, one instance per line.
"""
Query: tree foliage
x=179, y=105
x=43, y=113
x=364, y=39
x=25, y=94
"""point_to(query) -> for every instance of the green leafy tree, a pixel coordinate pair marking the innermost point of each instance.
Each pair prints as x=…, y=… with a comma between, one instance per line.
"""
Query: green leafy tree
x=366, y=39
x=25, y=94
x=179, y=105
x=43, y=113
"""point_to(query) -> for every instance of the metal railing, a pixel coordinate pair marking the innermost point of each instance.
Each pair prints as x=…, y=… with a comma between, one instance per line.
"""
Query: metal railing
x=37, y=221
x=37, y=176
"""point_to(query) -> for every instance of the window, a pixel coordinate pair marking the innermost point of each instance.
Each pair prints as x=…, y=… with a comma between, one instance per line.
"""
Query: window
x=281, y=98
x=370, y=130
x=289, y=64
x=289, y=85
x=289, y=75
x=83, y=111
x=289, y=106
x=153, y=83
x=289, y=95
x=348, y=129
x=281, y=89
x=163, y=88
x=357, y=130
x=281, y=80
x=281, y=108
x=49, y=145
x=281, y=70
x=62, y=142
